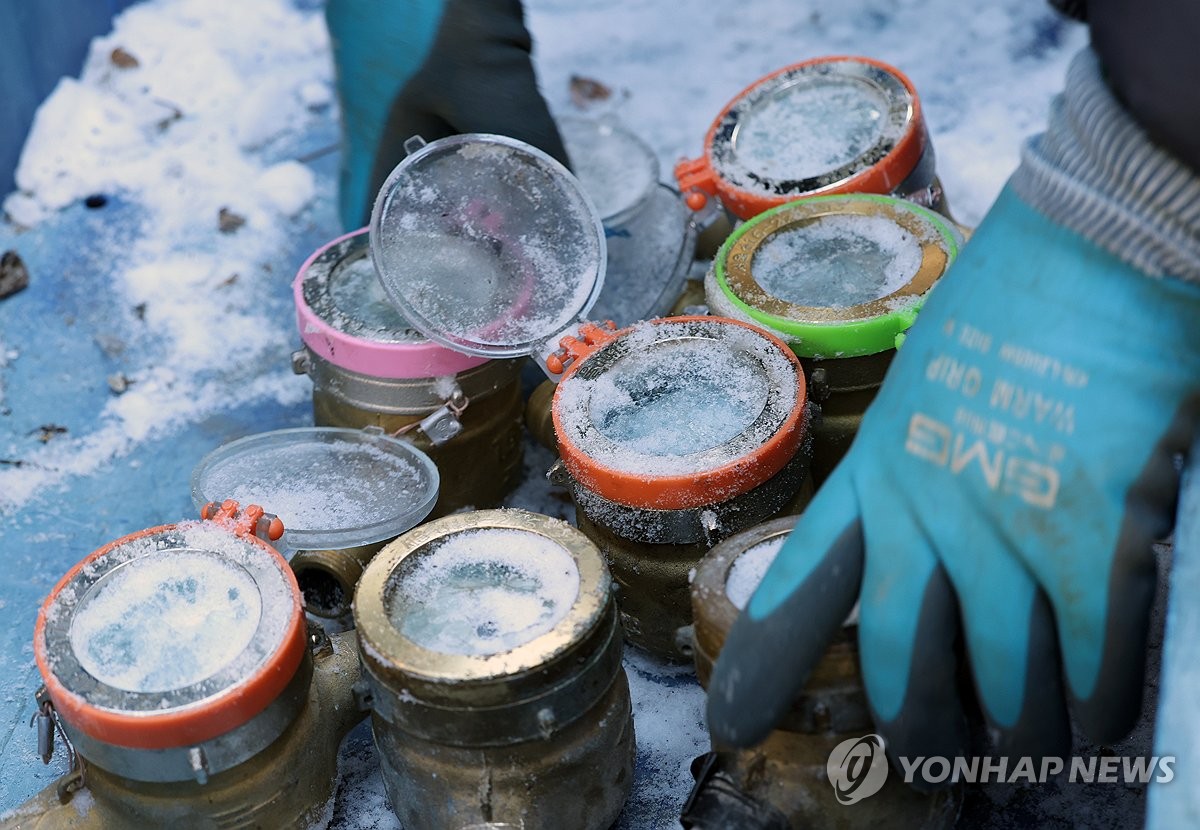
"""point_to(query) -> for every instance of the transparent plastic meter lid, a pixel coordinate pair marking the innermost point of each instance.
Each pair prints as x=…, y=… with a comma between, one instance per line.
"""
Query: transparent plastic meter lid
x=332, y=488
x=617, y=169
x=487, y=245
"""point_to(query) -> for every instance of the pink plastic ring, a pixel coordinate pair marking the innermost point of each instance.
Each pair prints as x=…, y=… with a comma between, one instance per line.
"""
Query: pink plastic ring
x=372, y=357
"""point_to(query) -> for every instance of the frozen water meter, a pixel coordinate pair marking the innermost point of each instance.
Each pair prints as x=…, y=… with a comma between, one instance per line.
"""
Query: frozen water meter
x=840, y=279
x=828, y=125
x=491, y=645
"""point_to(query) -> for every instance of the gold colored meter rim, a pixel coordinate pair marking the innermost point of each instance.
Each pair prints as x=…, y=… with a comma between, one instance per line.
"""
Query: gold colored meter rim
x=383, y=643
x=735, y=263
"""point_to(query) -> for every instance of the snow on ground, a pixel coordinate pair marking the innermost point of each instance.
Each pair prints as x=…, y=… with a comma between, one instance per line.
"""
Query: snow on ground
x=199, y=120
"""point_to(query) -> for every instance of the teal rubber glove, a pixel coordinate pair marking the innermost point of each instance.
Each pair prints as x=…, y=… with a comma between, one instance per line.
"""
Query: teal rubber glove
x=431, y=68
x=1006, y=487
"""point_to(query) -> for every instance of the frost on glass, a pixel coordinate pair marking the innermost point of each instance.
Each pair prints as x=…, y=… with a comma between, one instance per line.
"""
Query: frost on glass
x=691, y=396
x=616, y=169
x=749, y=569
x=319, y=485
x=836, y=261
x=355, y=290
x=487, y=246
x=810, y=128
x=483, y=591
x=163, y=623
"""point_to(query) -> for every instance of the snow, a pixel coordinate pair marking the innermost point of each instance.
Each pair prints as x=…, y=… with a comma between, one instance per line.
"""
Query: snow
x=168, y=137
x=288, y=186
x=483, y=591
x=749, y=569
x=178, y=138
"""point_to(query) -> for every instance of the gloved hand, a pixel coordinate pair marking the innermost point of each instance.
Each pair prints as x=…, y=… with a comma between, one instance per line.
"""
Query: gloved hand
x=431, y=68
x=1006, y=485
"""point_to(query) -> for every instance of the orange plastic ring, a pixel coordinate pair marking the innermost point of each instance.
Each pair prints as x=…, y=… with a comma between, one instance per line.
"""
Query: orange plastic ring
x=681, y=492
x=191, y=725
x=883, y=177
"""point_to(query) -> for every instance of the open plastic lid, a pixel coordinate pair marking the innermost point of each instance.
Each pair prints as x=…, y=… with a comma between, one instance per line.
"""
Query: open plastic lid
x=830, y=125
x=487, y=245
x=617, y=169
x=835, y=276
x=170, y=636
x=648, y=261
x=333, y=488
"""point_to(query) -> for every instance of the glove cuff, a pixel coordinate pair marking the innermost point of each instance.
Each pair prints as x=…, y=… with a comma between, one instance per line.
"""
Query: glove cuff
x=1097, y=172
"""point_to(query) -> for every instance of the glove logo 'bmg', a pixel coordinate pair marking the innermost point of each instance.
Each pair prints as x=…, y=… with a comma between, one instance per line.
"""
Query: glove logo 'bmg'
x=857, y=768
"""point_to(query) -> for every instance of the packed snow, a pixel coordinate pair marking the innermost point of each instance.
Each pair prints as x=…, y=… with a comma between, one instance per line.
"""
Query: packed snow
x=749, y=569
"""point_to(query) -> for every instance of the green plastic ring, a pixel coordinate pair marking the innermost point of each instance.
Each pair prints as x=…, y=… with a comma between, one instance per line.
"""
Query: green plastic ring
x=877, y=333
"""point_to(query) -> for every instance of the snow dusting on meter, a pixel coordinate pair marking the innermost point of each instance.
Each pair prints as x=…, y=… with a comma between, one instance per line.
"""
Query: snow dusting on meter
x=830, y=123
x=837, y=261
x=677, y=398
x=749, y=569
x=811, y=126
x=482, y=591
x=487, y=245
x=332, y=488
x=690, y=398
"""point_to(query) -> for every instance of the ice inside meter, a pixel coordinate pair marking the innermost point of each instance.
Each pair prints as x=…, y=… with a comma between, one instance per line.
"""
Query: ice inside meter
x=677, y=398
x=483, y=591
x=167, y=618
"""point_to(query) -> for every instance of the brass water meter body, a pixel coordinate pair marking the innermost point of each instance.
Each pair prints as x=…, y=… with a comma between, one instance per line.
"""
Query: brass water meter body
x=475, y=723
